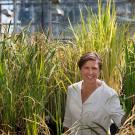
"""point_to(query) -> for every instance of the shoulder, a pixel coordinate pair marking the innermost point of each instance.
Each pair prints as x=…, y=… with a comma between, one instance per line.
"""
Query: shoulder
x=75, y=86
x=108, y=92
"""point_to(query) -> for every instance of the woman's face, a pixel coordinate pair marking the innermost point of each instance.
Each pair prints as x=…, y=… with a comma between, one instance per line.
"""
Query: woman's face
x=90, y=71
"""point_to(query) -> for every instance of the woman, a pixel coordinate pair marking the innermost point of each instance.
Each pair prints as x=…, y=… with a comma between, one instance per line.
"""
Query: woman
x=91, y=104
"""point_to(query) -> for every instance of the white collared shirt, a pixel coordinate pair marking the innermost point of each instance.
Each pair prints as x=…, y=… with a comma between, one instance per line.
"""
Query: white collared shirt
x=98, y=110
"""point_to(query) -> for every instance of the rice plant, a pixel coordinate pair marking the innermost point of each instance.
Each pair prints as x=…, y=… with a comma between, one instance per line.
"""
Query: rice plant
x=101, y=33
x=36, y=70
x=129, y=76
x=128, y=127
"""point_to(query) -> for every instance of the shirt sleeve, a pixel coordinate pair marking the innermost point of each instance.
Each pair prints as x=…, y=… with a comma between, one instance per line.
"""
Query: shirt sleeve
x=67, y=118
x=114, y=109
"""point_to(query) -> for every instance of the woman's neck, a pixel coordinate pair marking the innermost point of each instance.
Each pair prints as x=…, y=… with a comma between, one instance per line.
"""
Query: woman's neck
x=86, y=86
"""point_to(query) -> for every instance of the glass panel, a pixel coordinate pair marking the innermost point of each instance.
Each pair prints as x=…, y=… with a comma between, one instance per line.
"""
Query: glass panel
x=43, y=14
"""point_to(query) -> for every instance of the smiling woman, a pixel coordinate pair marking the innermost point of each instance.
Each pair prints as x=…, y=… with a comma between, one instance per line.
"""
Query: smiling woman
x=89, y=65
x=91, y=104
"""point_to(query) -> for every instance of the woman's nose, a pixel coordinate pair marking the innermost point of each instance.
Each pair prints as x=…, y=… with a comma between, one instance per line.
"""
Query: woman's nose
x=90, y=71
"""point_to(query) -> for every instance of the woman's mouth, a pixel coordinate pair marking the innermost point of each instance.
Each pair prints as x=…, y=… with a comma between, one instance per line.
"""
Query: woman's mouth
x=90, y=77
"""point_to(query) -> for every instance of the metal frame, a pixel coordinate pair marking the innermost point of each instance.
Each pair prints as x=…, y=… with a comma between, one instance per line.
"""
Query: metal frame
x=48, y=3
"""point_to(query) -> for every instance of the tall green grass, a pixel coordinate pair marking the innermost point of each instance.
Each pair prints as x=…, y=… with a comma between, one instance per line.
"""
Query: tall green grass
x=34, y=75
x=129, y=76
x=36, y=70
x=27, y=79
x=101, y=33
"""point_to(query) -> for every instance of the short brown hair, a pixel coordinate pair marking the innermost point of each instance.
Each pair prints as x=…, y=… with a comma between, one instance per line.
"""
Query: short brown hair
x=89, y=56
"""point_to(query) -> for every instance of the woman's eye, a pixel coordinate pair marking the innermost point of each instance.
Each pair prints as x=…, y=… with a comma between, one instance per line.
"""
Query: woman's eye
x=86, y=67
x=94, y=68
